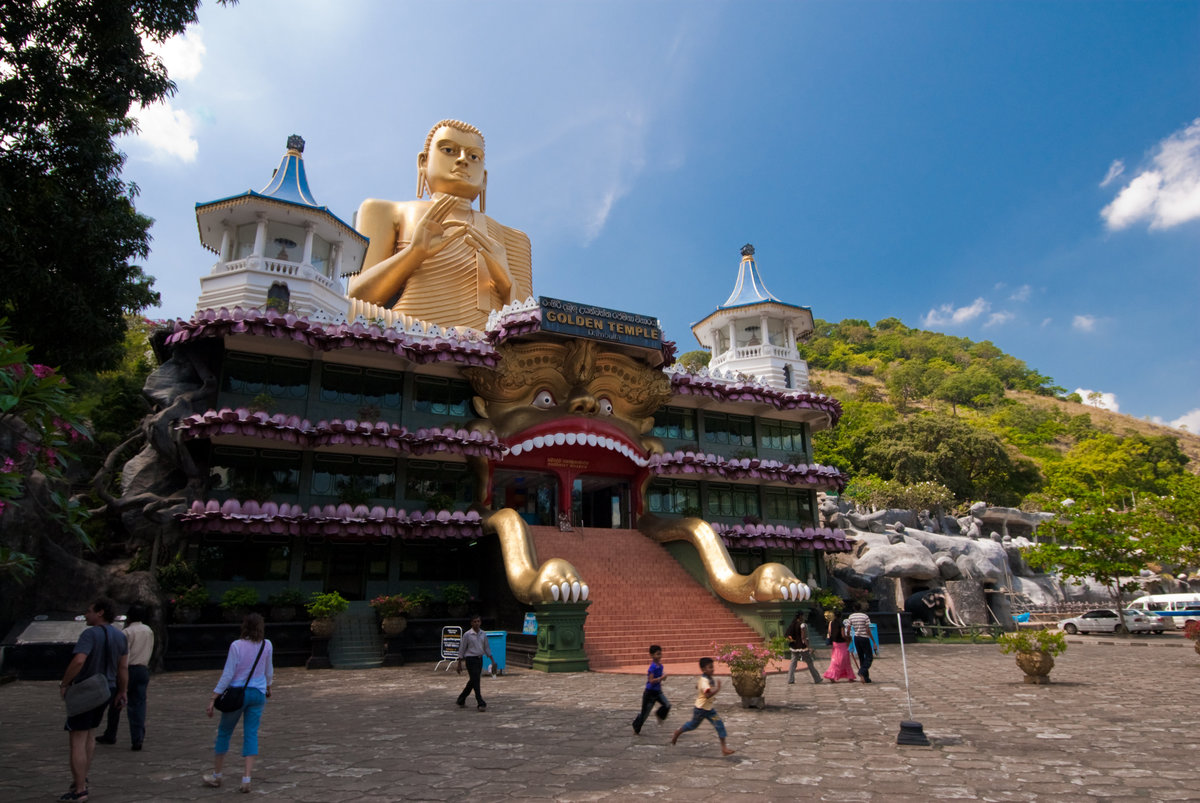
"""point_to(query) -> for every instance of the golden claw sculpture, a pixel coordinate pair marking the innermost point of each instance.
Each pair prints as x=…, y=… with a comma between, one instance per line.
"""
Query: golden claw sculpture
x=555, y=581
x=768, y=583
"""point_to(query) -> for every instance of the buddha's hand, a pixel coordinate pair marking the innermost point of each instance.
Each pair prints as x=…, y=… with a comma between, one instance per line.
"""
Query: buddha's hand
x=494, y=256
x=432, y=232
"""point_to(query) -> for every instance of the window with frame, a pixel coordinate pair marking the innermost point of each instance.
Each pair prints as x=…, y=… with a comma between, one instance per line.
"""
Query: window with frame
x=729, y=501
x=675, y=423
x=432, y=482
x=365, y=387
x=235, y=559
x=257, y=474
x=451, y=397
x=728, y=430
x=252, y=374
x=789, y=505
x=354, y=480
x=785, y=436
x=673, y=496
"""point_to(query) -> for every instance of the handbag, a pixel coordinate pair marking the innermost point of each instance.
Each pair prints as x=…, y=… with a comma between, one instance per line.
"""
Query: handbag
x=91, y=692
x=234, y=697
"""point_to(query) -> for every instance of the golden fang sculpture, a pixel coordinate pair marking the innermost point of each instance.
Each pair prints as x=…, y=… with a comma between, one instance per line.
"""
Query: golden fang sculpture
x=440, y=260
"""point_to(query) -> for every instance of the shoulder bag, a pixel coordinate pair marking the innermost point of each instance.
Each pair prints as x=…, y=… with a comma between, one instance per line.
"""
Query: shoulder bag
x=234, y=697
x=91, y=692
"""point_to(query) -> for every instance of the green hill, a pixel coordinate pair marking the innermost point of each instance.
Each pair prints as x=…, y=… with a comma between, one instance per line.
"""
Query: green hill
x=927, y=407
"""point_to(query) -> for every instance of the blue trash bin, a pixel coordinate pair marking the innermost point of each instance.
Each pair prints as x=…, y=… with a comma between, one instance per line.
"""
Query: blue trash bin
x=498, y=644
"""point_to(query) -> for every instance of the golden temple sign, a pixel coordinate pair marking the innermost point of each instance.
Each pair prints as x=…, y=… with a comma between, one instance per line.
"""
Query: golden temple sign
x=598, y=323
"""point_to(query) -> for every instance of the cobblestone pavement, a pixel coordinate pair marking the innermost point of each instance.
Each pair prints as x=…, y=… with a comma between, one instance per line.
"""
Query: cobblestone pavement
x=1118, y=722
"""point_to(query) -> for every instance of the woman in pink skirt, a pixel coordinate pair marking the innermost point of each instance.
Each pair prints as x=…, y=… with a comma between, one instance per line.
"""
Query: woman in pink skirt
x=839, y=665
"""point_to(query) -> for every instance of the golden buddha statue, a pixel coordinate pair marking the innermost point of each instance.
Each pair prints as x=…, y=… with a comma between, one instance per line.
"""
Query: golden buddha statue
x=439, y=260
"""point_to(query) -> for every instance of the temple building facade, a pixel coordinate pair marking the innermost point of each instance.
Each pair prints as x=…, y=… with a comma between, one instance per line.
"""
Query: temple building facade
x=334, y=444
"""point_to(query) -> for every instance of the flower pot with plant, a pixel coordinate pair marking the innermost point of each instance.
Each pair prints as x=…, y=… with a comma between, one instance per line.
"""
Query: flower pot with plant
x=1035, y=651
x=418, y=602
x=237, y=602
x=1191, y=630
x=747, y=667
x=391, y=610
x=285, y=604
x=830, y=602
x=188, y=605
x=323, y=607
x=458, y=599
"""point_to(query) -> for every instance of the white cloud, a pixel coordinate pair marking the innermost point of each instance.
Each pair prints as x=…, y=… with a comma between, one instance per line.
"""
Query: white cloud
x=997, y=318
x=182, y=55
x=1189, y=421
x=1022, y=293
x=1096, y=398
x=1046, y=322
x=1114, y=171
x=1084, y=323
x=948, y=314
x=167, y=131
x=1168, y=192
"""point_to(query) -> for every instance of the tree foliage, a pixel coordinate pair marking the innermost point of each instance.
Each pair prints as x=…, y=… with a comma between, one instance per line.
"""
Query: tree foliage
x=70, y=73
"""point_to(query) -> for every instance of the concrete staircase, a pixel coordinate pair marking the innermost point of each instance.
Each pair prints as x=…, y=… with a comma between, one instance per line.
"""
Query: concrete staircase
x=641, y=596
x=357, y=642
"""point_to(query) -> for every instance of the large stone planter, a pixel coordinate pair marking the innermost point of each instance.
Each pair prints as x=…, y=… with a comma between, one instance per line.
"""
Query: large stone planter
x=321, y=628
x=393, y=625
x=1036, y=666
x=750, y=685
x=1196, y=645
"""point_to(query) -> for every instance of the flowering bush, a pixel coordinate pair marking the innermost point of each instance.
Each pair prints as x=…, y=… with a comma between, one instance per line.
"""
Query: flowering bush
x=1191, y=629
x=749, y=657
x=388, y=606
x=1049, y=641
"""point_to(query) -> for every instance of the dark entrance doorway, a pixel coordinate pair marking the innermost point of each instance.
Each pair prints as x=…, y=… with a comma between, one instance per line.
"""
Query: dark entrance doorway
x=600, y=502
x=347, y=570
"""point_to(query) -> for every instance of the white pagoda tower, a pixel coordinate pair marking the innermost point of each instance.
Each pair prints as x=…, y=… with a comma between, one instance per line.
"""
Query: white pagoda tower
x=754, y=333
x=277, y=248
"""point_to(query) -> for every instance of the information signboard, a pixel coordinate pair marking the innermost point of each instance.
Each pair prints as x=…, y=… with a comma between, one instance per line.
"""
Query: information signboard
x=598, y=323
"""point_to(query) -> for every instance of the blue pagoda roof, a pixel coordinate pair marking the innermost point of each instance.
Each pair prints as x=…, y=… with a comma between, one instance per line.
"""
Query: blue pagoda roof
x=290, y=182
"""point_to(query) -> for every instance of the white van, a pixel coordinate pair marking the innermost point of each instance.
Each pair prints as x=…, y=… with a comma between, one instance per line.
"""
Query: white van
x=1178, y=608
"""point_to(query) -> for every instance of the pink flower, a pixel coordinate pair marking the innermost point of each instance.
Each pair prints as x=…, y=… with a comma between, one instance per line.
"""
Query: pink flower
x=42, y=371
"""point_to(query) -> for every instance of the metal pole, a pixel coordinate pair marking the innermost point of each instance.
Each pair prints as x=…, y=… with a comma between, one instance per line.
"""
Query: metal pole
x=904, y=661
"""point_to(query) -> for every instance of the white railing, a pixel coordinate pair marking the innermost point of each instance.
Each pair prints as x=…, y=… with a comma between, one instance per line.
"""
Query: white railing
x=749, y=352
x=280, y=267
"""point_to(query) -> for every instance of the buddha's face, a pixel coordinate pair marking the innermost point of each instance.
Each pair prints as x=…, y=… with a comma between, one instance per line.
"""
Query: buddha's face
x=454, y=163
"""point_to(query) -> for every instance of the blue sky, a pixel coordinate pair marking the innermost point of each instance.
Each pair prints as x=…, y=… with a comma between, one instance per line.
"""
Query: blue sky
x=1025, y=173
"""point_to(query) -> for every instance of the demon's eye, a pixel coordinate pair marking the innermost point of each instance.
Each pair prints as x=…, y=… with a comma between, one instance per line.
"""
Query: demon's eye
x=606, y=407
x=544, y=400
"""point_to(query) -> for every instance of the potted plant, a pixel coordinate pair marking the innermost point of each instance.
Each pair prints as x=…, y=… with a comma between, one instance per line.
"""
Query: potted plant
x=189, y=604
x=391, y=610
x=418, y=602
x=747, y=667
x=322, y=607
x=285, y=604
x=457, y=597
x=830, y=602
x=1191, y=630
x=237, y=602
x=1035, y=651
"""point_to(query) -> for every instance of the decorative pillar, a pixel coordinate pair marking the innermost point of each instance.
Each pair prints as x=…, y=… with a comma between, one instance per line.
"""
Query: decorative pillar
x=260, y=235
x=309, y=227
x=560, y=637
x=226, y=241
x=764, y=334
x=335, y=261
x=732, y=337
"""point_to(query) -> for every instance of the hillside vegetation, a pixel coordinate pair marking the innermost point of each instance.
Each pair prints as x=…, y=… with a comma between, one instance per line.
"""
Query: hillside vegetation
x=923, y=407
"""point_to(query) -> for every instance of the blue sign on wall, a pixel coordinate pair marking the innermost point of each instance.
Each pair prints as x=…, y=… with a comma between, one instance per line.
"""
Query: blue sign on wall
x=530, y=628
x=598, y=323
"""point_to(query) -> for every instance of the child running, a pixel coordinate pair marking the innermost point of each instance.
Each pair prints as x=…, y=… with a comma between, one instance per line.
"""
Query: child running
x=706, y=690
x=653, y=692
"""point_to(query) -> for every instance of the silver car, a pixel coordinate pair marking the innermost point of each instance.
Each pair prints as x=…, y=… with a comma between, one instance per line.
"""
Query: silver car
x=1105, y=620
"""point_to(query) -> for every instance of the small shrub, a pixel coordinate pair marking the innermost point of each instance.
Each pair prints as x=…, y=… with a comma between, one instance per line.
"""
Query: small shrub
x=239, y=598
x=1048, y=641
x=327, y=605
x=194, y=597
x=456, y=594
x=419, y=597
x=289, y=596
x=177, y=576
x=388, y=606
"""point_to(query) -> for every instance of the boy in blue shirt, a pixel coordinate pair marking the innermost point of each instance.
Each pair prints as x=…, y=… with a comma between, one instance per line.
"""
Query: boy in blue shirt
x=653, y=692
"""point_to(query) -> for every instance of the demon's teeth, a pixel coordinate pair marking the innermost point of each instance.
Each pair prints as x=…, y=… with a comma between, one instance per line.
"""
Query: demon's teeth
x=560, y=438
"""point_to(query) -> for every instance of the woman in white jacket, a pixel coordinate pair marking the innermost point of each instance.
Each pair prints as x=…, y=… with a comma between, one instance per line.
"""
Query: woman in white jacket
x=248, y=663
